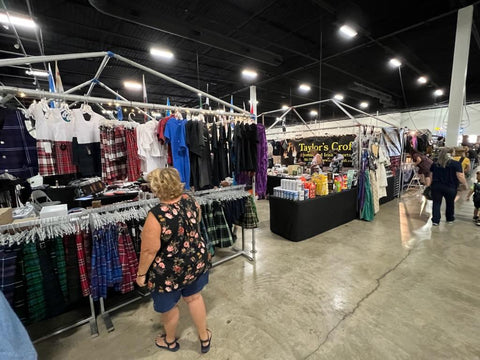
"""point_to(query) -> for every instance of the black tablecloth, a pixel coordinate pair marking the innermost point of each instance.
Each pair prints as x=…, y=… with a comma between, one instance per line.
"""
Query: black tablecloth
x=300, y=220
x=107, y=200
x=272, y=181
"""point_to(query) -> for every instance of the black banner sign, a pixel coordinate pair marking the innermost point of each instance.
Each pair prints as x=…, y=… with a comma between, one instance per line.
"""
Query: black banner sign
x=325, y=145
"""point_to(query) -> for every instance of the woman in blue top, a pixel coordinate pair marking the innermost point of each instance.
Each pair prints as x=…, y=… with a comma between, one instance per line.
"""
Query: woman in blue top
x=447, y=174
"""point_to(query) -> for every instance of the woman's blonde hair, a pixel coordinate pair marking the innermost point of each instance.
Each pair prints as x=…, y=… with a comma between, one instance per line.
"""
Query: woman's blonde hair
x=165, y=183
x=444, y=156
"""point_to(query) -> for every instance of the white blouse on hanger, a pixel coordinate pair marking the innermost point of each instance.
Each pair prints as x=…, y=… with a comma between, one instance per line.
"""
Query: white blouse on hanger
x=87, y=131
x=44, y=130
x=153, y=155
x=62, y=123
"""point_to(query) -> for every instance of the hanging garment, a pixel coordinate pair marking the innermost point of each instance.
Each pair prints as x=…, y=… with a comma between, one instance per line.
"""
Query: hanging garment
x=63, y=152
x=194, y=140
x=82, y=265
x=152, y=153
x=128, y=259
x=249, y=219
x=175, y=136
x=374, y=186
x=383, y=162
x=72, y=270
x=222, y=231
x=8, y=258
x=87, y=158
x=34, y=280
x=262, y=162
x=46, y=157
x=86, y=126
x=133, y=160
x=113, y=147
x=18, y=153
x=62, y=123
x=20, y=292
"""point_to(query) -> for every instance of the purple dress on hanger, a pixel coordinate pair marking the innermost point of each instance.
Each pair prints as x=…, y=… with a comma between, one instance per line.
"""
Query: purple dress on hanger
x=262, y=162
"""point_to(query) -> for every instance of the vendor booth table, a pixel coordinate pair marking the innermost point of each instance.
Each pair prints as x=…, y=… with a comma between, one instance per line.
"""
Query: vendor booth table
x=300, y=220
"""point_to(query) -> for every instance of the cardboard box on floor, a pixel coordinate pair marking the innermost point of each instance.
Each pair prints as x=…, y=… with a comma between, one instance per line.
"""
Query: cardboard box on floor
x=6, y=216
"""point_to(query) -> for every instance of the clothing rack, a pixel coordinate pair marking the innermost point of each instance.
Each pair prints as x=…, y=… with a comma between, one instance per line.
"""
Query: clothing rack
x=237, y=252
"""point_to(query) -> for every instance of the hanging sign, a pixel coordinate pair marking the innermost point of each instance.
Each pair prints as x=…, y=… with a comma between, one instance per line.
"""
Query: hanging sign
x=325, y=145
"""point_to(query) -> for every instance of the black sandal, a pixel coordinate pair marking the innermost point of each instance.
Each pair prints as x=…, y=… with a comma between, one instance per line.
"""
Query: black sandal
x=206, y=348
x=169, y=344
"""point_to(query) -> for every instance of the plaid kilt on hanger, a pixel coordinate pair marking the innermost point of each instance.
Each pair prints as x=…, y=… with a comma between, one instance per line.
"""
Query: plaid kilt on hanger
x=64, y=158
x=46, y=157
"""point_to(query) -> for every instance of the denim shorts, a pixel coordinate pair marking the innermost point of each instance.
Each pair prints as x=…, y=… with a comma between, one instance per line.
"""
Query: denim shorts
x=163, y=302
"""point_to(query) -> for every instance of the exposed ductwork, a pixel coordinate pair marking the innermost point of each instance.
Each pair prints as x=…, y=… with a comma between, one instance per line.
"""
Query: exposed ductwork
x=139, y=12
x=384, y=98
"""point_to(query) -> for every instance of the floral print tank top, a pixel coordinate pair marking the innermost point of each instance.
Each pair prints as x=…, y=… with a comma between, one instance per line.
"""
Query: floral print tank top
x=183, y=254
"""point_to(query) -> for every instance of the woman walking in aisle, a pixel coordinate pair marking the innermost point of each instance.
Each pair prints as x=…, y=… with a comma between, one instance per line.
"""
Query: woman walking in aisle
x=447, y=174
x=174, y=260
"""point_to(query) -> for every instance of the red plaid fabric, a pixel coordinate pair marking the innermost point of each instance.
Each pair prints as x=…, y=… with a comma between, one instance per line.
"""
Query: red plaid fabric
x=64, y=158
x=46, y=157
x=133, y=160
x=113, y=147
x=128, y=259
x=82, y=265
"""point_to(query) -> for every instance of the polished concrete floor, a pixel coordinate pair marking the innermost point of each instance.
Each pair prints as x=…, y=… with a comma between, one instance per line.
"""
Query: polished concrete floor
x=394, y=288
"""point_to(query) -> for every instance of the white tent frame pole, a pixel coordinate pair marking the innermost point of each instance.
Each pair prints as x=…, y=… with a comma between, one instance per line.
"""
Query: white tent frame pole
x=279, y=119
x=308, y=127
x=296, y=106
x=98, y=73
x=78, y=87
x=39, y=94
x=47, y=58
x=345, y=111
x=367, y=114
x=123, y=98
x=179, y=83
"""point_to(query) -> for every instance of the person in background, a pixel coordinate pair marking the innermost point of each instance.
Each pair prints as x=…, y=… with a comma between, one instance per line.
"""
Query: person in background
x=464, y=161
x=447, y=174
x=472, y=156
x=475, y=190
x=337, y=161
x=174, y=256
x=316, y=165
x=424, y=164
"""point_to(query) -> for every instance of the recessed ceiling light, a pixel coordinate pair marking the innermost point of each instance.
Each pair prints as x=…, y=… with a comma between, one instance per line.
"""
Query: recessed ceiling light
x=395, y=62
x=163, y=53
x=364, y=104
x=304, y=87
x=348, y=31
x=339, y=97
x=284, y=107
x=422, y=80
x=438, y=92
x=22, y=94
x=132, y=85
x=199, y=94
x=256, y=102
x=313, y=113
x=17, y=20
x=37, y=73
x=249, y=74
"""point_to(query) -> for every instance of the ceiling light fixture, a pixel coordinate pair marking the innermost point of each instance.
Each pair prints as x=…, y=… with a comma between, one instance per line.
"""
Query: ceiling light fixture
x=313, y=113
x=364, y=104
x=348, y=31
x=422, y=80
x=395, y=62
x=163, y=53
x=250, y=101
x=338, y=97
x=22, y=94
x=34, y=72
x=284, y=107
x=17, y=20
x=132, y=85
x=249, y=74
x=438, y=92
x=304, y=88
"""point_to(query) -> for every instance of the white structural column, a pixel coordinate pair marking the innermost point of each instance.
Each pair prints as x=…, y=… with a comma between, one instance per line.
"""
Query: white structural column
x=459, y=74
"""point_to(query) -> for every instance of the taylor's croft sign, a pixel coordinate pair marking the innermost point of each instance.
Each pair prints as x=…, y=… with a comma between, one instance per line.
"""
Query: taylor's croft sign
x=326, y=145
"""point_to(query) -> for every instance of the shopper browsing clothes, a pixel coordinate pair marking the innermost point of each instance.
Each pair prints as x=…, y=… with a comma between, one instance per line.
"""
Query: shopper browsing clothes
x=174, y=260
x=447, y=174
x=337, y=161
x=424, y=164
x=475, y=190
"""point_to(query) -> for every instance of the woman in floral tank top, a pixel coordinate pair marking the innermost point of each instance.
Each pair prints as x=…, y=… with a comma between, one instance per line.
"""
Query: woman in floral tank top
x=174, y=260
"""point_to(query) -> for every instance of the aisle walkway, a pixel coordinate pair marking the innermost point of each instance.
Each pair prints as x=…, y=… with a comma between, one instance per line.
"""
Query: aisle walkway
x=395, y=288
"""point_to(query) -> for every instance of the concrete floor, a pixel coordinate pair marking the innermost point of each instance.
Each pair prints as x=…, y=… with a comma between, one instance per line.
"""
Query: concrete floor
x=395, y=288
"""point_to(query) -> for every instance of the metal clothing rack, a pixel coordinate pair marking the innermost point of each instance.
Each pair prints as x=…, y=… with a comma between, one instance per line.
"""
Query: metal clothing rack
x=237, y=252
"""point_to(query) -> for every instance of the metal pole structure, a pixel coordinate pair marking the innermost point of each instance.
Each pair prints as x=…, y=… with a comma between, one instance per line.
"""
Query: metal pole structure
x=280, y=118
x=47, y=58
x=345, y=111
x=179, y=83
x=459, y=74
x=296, y=106
x=97, y=74
x=123, y=98
x=365, y=113
x=78, y=87
x=304, y=122
x=38, y=94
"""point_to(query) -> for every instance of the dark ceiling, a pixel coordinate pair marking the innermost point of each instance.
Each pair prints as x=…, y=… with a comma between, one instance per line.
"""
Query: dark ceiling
x=287, y=42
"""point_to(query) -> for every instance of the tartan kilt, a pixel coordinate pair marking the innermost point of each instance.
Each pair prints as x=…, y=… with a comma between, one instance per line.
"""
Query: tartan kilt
x=64, y=158
x=46, y=160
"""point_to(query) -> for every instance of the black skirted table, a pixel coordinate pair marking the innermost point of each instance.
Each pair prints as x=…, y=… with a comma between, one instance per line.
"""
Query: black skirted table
x=300, y=220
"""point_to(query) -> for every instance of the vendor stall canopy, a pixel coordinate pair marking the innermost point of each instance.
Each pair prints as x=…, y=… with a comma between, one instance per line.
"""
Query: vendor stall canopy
x=377, y=55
